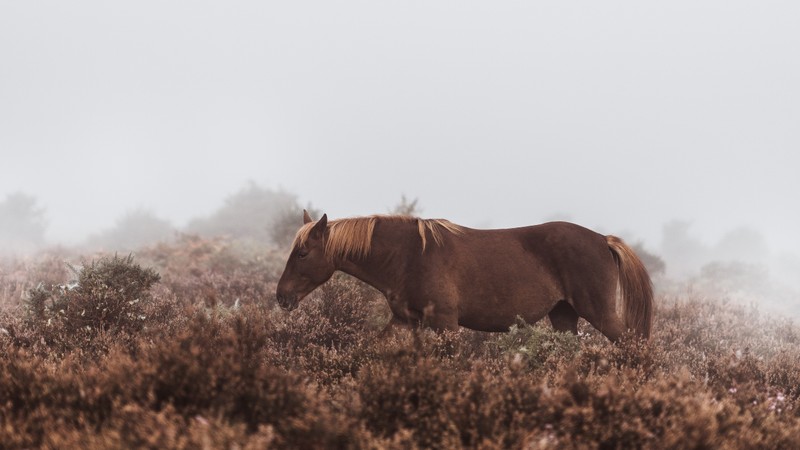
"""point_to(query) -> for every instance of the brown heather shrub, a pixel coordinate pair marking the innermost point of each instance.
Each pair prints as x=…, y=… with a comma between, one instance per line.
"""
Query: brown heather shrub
x=217, y=368
x=203, y=371
x=783, y=371
x=332, y=332
x=212, y=372
x=133, y=426
x=499, y=409
x=418, y=397
x=336, y=315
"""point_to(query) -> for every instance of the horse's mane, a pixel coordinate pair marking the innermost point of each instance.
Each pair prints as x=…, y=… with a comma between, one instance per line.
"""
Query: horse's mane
x=352, y=237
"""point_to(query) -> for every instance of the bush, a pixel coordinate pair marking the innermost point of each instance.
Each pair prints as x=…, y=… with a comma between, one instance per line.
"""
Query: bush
x=22, y=223
x=537, y=344
x=250, y=213
x=418, y=397
x=111, y=297
x=135, y=229
x=287, y=222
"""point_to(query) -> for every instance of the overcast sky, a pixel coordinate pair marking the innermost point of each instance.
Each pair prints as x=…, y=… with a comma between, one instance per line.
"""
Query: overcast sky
x=622, y=115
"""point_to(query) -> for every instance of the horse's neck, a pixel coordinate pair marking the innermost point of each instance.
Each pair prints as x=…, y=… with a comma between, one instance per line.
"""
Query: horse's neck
x=385, y=266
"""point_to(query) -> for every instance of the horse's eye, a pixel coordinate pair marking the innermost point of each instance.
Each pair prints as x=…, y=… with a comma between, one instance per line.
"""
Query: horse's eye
x=302, y=254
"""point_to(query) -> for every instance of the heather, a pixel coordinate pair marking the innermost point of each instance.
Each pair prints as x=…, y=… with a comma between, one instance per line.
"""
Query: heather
x=181, y=345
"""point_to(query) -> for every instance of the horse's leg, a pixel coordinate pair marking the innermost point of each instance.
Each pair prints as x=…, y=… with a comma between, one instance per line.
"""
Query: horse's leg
x=437, y=322
x=392, y=327
x=600, y=311
x=440, y=316
x=611, y=326
x=564, y=318
x=607, y=322
x=442, y=322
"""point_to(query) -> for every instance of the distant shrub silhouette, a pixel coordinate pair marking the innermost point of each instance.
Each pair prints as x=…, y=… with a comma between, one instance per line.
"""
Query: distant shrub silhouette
x=407, y=207
x=22, y=224
x=654, y=263
x=250, y=213
x=135, y=229
x=687, y=255
x=286, y=224
x=683, y=252
x=734, y=278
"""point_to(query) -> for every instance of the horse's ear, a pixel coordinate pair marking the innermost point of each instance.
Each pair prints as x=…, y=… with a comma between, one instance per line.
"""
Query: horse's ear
x=319, y=228
x=306, y=217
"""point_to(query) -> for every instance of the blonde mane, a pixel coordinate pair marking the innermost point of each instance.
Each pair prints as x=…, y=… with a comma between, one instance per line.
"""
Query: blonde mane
x=352, y=238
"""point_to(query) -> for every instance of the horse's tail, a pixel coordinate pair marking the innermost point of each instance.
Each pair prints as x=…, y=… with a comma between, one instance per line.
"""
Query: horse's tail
x=636, y=287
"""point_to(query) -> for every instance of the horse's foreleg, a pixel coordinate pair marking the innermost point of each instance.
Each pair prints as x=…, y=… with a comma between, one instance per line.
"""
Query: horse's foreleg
x=439, y=315
x=393, y=326
x=440, y=319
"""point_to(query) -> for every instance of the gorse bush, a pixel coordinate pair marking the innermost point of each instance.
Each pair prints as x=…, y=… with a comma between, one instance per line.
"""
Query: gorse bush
x=117, y=359
x=111, y=293
x=110, y=297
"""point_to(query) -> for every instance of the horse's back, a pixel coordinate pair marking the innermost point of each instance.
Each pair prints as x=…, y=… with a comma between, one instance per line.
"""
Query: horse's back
x=551, y=242
x=565, y=244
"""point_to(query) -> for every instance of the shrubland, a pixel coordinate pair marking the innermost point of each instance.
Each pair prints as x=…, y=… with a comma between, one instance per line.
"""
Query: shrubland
x=182, y=346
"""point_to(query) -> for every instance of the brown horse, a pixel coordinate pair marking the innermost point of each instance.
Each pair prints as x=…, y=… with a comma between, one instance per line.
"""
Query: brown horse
x=447, y=276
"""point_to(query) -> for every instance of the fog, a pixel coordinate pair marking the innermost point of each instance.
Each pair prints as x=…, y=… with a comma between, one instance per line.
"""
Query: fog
x=623, y=116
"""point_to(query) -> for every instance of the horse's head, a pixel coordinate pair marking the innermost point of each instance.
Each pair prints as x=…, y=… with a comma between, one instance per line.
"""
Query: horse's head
x=307, y=267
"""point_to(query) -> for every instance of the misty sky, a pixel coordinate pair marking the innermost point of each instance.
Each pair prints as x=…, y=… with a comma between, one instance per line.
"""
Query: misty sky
x=622, y=115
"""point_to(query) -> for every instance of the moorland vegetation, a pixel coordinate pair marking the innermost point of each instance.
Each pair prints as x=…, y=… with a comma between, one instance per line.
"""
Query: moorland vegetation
x=181, y=345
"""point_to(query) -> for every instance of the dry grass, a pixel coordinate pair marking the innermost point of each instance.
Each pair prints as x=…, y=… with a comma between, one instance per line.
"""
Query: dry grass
x=189, y=366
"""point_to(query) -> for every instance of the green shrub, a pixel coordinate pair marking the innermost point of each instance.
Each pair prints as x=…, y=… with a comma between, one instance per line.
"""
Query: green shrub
x=110, y=297
x=536, y=344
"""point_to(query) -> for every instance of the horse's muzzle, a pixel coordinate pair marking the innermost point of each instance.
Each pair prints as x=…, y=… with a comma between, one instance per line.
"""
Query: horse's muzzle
x=287, y=302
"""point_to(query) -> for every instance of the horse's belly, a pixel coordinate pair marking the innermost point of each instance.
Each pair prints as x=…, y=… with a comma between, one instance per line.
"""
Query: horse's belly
x=498, y=313
x=496, y=323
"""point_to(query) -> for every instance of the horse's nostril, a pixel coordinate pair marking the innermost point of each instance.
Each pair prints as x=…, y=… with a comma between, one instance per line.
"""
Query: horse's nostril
x=286, y=302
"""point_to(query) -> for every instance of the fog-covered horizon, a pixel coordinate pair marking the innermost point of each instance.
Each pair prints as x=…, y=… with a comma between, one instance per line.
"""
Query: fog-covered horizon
x=620, y=116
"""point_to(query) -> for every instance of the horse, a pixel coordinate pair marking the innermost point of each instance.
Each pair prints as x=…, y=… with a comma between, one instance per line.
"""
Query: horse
x=442, y=275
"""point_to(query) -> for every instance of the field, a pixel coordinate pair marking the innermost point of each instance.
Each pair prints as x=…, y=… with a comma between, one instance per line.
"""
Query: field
x=182, y=346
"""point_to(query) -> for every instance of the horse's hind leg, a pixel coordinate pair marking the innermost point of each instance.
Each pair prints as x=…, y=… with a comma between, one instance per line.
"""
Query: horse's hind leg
x=563, y=317
x=599, y=308
x=610, y=325
x=603, y=316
